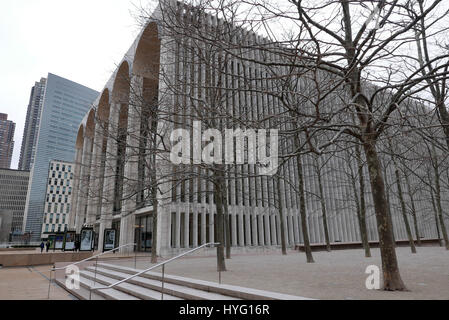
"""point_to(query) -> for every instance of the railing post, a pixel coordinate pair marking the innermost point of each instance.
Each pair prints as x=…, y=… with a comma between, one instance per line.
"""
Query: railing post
x=163, y=278
x=49, y=285
x=135, y=256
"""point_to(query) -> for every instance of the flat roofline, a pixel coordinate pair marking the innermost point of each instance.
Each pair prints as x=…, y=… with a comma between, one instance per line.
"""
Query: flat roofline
x=15, y=170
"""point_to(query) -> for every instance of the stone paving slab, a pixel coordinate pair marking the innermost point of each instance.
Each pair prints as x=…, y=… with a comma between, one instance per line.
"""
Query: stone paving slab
x=337, y=275
x=29, y=283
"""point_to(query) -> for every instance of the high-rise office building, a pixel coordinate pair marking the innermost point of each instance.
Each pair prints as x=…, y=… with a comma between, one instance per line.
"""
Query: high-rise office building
x=31, y=129
x=7, y=129
x=58, y=198
x=13, y=194
x=64, y=105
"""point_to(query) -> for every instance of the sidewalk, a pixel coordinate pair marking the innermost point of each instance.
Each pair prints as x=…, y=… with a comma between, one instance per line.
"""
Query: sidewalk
x=30, y=283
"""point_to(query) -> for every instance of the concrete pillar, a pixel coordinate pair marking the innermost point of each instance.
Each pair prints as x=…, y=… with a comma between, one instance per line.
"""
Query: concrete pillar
x=261, y=231
x=83, y=188
x=75, y=191
x=195, y=228
x=131, y=172
x=234, y=229
x=203, y=228
x=93, y=201
x=241, y=230
x=109, y=173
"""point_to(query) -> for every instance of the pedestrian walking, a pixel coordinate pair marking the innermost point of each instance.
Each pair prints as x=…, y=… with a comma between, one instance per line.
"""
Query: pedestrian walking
x=48, y=245
x=42, y=246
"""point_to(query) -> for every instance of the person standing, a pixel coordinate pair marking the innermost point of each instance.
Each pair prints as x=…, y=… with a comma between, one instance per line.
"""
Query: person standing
x=42, y=246
x=48, y=245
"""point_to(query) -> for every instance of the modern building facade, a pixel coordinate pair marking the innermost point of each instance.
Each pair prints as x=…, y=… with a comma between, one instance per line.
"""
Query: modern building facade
x=58, y=200
x=113, y=164
x=64, y=105
x=31, y=129
x=7, y=129
x=13, y=194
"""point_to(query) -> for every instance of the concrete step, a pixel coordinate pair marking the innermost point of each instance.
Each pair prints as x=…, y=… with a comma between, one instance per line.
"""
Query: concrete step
x=127, y=288
x=183, y=292
x=207, y=286
x=107, y=294
x=83, y=293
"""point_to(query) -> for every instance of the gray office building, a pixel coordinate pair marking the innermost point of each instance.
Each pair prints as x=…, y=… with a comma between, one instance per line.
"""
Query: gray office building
x=13, y=194
x=65, y=103
x=31, y=129
x=7, y=129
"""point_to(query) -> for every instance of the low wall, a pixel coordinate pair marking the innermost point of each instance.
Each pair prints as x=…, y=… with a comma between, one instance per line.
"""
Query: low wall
x=358, y=245
x=38, y=259
x=15, y=249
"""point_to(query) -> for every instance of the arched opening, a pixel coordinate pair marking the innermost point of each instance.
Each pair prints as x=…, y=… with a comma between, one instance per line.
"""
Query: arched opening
x=80, y=139
x=102, y=119
x=146, y=66
x=120, y=98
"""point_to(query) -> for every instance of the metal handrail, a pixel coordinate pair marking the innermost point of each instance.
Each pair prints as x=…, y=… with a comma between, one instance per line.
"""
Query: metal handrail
x=157, y=266
x=91, y=258
x=96, y=256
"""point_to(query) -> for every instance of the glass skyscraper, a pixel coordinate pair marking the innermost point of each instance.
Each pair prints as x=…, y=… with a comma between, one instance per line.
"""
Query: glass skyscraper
x=65, y=104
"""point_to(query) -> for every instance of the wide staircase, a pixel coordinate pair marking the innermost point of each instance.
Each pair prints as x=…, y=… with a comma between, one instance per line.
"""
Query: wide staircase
x=149, y=286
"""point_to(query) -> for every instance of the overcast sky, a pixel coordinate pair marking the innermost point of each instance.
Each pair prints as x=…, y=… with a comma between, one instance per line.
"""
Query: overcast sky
x=80, y=40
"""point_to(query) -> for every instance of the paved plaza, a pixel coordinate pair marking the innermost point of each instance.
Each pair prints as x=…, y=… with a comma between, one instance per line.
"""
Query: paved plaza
x=336, y=275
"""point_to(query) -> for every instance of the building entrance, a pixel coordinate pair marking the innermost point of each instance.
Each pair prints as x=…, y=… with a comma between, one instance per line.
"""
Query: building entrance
x=144, y=233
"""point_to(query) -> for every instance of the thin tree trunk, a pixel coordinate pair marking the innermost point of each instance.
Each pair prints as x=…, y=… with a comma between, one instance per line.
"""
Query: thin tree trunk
x=391, y=277
x=389, y=204
x=218, y=194
x=404, y=211
x=281, y=215
x=303, y=212
x=362, y=212
x=323, y=206
x=414, y=212
x=227, y=225
x=438, y=200
x=435, y=213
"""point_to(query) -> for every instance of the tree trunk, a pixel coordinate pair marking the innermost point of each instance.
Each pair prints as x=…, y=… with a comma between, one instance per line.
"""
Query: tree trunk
x=362, y=212
x=414, y=212
x=324, y=214
x=389, y=204
x=444, y=118
x=303, y=212
x=438, y=202
x=404, y=211
x=435, y=212
x=218, y=194
x=281, y=215
x=227, y=225
x=391, y=277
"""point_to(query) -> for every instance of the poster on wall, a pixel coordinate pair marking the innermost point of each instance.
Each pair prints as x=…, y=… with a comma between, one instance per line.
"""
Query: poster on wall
x=109, y=239
x=59, y=241
x=86, y=238
x=51, y=240
x=69, y=241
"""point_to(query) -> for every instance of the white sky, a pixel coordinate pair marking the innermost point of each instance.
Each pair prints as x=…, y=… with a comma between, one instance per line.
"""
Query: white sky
x=80, y=40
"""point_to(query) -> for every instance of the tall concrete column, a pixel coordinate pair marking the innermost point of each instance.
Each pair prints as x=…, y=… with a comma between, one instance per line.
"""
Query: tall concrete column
x=131, y=180
x=109, y=173
x=261, y=231
x=83, y=188
x=195, y=228
x=241, y=231
x=75, y=190
x=93, y=200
